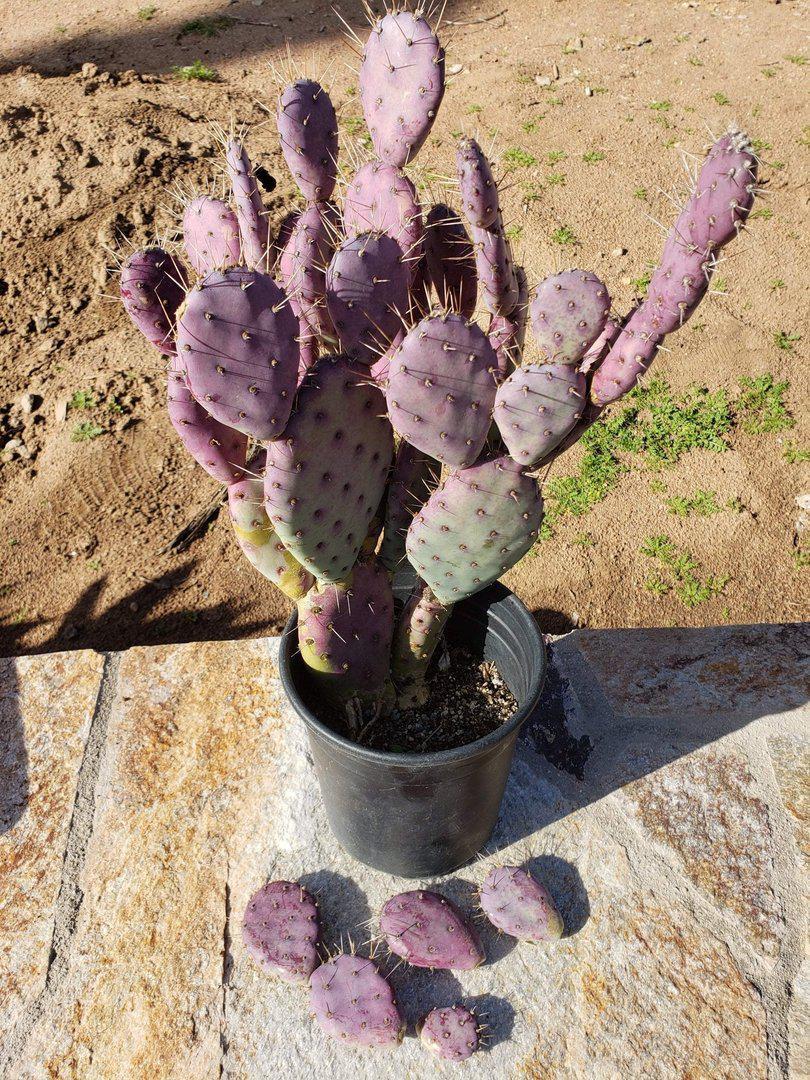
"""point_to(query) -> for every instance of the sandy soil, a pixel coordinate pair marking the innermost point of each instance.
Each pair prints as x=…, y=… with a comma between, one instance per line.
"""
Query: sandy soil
x=89, y=153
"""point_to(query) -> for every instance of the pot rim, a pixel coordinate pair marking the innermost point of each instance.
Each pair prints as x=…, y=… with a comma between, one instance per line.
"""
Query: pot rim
x=529, y=628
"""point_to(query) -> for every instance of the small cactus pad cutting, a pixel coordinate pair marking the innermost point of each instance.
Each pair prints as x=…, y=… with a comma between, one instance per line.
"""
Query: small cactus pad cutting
x=354, y=1004
x=282, y=932
x=517, y=904
x=451, y=1033
x=427, y=930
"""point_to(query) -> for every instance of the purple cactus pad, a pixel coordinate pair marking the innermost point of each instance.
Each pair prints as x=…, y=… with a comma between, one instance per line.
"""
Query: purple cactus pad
x=281, y=930
x=302, y=266
x=210, y=235
x=152, y=288
x=476, y=185
x=308, y=129
x=219, y=449
x=250, y=211
x=451, y=1032
x=401, y=85
x=518, y=905
x=354, y=1004
x=450, y=261
x=382, y=199
x=427, y=930
x=496, y=269
x=536, y=408
x=441, y=388
x=568, y=313
x=237, y=338
x=629, y=357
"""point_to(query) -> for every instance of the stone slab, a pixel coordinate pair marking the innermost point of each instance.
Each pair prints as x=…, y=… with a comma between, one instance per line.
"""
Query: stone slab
x=674, y=863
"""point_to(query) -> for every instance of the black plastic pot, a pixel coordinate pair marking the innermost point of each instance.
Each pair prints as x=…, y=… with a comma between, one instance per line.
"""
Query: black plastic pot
x=419, y=815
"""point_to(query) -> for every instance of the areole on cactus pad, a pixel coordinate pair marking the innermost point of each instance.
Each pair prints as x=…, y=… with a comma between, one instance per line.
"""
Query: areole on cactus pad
x=390, y=421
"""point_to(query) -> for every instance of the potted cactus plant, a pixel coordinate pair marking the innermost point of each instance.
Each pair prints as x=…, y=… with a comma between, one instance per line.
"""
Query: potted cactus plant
x=336, y=378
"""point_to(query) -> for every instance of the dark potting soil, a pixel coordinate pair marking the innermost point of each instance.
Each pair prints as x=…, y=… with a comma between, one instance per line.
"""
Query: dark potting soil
x=468, y=699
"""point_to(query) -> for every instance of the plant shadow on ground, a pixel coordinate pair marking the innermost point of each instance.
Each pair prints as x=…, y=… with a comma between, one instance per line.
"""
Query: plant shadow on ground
x=162, y=41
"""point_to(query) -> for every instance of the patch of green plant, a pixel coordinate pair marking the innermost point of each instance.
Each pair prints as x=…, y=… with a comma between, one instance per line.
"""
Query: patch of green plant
x=145, y=14
x=763, y=212
x=515, y=156
x=529, y=126
x=721, y=99
x=687, y=583
x=641, y=284
x=786, y=339
x=86, y=431
x=797, y=59
x=553, y=157
x=761, y=406
x=592, y=156
x=702, y=502
x=777, y=283
x=563, y=235
x=640, y=193
x=474, y=110
x=196, y=72
x=584, y=539
x=555, y=179
x=660, y=106
x=802, y=558
x=795, y=455
x=83, y=399
x=532, y=193
x=513, y=232
x=206, y=26
x=695, y=61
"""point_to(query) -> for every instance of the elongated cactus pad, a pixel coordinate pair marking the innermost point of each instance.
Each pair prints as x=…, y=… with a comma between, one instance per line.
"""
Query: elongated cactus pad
x=450, y=1032
x=441, y=388
x=401, y=85
x=345, y=629
x=258, y=539
x=219, y=449
x=496, y=269
x=325, y=478
x=629, y=357
x=250, y=212
x=210, y=234
x=450, y=261
x=427, y=930
x=281, y=930
x=518, y=905
x=504, y=510
x=302, y=266
x=476, y=185
x=536, y=408
x=382, y=199
x=723, y=194
x=569, y=312
x=354, y=1004
x=152, y=286
x=308, y=129
x=237, y=339
x=367, y=294
x=507, y=333
x=279, y=242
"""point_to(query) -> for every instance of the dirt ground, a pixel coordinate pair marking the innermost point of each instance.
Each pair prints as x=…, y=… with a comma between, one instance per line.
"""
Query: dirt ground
x=96, y=129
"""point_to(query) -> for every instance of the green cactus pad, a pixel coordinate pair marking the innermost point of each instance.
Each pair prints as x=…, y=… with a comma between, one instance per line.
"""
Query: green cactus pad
x=474, y=527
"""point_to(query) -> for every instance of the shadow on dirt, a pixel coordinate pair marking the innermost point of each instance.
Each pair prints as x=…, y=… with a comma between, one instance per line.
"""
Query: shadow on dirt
x=157, y=44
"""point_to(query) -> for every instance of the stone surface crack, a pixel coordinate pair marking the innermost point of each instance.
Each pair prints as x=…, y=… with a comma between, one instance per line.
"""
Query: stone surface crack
x=227, y=968
x=70, y=896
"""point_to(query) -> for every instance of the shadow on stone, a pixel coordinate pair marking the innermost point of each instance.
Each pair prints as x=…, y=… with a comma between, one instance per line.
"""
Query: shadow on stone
x=563, y=881
x=343, y=906
x=418, y=990
x=14, y=782
x=497, y=1016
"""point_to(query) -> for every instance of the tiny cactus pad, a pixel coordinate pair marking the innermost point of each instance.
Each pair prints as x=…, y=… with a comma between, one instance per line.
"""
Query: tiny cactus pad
x=450, y=1032
x=250, y=212
x=569, y=312
x=210, y=235
x=302, y=266
x=507, y=333
x=367, y=294
x=345, y=630
x=401, y=85
x=257, y=538
x=450, y=261
x=476, y=185
x=380, y=198
x=220, y=450
x=496, y=269
x=152, y=286
x=281, y=931
x=325, y=478
x=308, y=129
x=505, y=510
x=354, y=1004
x=237, y=340
x=518, y=905
x=427, y=930
x=536, y=408
x=441, y=388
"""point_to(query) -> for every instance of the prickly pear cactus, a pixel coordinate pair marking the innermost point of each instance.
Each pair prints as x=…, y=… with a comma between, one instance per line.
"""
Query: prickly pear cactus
x=356, y=375
x=516, y=904
x=281, y=930
x=451, y=1033
x=354, y=1004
